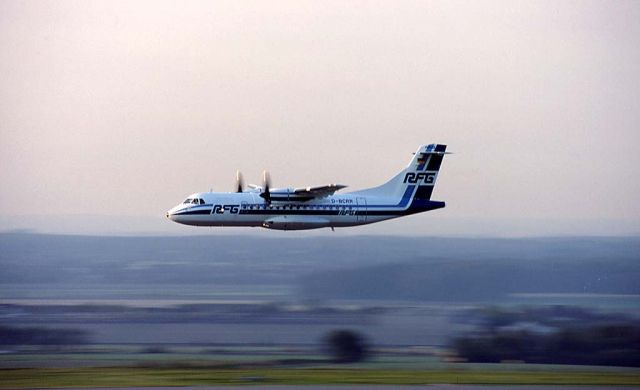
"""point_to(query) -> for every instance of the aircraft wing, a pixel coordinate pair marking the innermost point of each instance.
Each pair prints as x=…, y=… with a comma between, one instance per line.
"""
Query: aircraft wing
x=319, y=191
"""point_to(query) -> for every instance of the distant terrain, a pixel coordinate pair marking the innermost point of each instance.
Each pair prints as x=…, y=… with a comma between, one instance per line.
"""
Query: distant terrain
x=226, y=302
x=362, y=267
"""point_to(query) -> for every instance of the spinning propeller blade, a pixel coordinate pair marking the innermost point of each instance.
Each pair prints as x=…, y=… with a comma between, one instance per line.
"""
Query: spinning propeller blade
x=239, y=182
x=266, y=184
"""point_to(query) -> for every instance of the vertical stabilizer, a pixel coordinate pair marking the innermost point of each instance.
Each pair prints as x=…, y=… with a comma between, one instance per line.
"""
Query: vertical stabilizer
x=417, y=179
x=428, y=168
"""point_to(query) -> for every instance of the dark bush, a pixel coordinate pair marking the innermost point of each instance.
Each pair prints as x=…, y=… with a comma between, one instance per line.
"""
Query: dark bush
x=346, y=346
x=610, y=345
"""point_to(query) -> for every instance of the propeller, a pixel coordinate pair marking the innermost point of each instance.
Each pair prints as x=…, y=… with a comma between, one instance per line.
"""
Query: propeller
x=266, y=183
x=239, y=182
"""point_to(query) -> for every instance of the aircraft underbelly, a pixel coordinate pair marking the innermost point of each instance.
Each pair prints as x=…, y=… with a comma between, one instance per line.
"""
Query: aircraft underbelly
x=278, y=222
x=288, y=222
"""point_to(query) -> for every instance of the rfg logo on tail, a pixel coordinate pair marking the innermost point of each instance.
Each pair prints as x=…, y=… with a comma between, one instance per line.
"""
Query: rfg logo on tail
x=420, y=178
x=220, y=209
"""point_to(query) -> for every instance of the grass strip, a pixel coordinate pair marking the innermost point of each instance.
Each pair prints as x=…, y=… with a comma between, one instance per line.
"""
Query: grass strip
x=136, y=377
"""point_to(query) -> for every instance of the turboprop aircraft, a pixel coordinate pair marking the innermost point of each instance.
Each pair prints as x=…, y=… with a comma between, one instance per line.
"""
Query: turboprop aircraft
x=409, y=192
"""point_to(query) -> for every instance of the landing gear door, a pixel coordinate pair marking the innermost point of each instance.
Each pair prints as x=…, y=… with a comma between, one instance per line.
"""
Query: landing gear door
x=361, y=213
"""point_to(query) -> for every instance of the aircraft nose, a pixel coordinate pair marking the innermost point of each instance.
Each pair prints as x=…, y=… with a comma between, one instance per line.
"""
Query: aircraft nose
x=171, y=213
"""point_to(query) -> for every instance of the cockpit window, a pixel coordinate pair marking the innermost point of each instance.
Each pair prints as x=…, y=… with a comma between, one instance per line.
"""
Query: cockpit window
x=194, y=201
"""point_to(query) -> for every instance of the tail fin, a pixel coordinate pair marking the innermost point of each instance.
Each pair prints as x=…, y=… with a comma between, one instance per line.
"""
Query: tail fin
x=429, y=166
x=421, y=172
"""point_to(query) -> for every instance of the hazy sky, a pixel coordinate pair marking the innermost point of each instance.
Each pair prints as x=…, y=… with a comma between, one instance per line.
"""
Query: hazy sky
x=120, y=108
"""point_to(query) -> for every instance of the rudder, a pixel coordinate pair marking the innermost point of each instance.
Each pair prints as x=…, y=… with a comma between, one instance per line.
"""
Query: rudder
x=429, y=162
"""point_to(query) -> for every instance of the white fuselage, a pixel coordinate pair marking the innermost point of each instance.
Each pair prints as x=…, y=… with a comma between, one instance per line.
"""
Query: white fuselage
x=408, y=192
x=249, y=209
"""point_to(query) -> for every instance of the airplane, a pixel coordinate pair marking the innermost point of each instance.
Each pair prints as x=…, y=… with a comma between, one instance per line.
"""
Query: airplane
x=409, y=192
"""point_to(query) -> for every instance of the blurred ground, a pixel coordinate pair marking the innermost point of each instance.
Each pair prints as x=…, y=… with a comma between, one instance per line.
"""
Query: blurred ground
x=389, y=387
x=160, y=311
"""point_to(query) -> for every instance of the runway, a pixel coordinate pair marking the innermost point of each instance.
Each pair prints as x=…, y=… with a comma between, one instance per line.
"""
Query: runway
x=387, y=387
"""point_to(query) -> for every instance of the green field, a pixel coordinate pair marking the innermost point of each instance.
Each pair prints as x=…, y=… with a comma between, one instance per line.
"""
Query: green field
x=129, y=377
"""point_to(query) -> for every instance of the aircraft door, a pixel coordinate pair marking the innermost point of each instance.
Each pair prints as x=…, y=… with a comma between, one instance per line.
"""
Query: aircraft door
x=361, y=215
